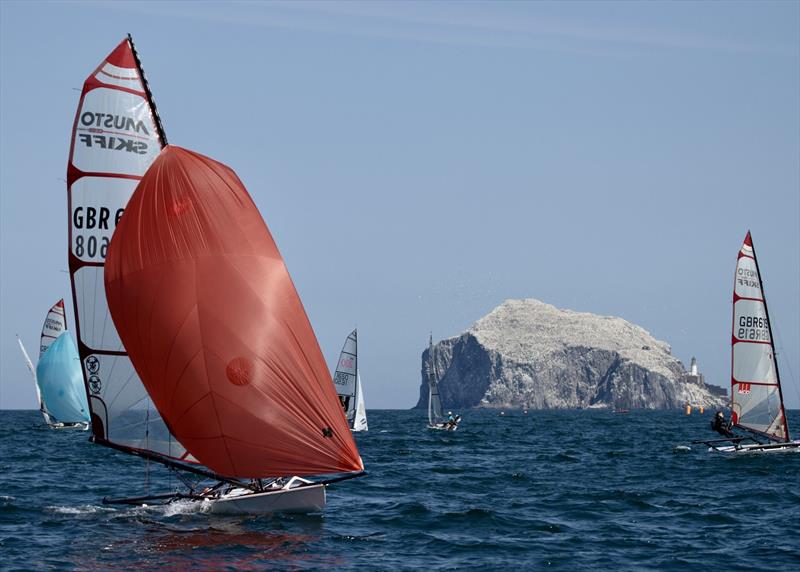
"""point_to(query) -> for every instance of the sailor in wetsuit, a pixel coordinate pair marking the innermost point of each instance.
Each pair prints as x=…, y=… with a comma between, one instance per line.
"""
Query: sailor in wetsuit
x=720, y=426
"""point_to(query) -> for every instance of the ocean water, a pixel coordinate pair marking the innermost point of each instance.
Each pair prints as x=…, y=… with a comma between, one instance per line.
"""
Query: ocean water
x=563, y=490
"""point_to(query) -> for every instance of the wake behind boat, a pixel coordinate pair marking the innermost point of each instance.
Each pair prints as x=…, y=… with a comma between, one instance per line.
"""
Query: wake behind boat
x=756, y=396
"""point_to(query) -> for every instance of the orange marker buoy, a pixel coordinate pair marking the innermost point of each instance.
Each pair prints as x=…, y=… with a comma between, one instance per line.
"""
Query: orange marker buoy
x=688, y=409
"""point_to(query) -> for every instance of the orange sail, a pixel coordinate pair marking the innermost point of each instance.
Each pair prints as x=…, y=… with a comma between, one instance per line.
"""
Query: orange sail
x=213, y=324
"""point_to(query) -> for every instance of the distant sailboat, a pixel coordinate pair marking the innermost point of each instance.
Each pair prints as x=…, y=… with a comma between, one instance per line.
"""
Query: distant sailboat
x=211, y=320
x=57, y=377
x=436, y=418
x=756, y=397
x=347, y=380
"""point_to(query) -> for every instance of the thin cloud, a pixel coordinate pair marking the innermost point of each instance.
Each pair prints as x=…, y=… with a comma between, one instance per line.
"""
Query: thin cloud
x=469, y=24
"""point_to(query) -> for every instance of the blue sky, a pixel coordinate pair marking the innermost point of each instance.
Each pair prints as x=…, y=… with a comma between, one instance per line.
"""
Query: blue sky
x=419, y=163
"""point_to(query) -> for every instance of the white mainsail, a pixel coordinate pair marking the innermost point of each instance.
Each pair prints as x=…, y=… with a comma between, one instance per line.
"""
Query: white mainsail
x=32, y=369
x=54, y=324
x=435, y=415
x=347, y=382
x=756, y=399
x=360, y=421
x=116, y=136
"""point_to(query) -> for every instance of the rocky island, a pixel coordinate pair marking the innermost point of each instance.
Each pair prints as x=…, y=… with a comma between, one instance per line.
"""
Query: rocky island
x=529, y=354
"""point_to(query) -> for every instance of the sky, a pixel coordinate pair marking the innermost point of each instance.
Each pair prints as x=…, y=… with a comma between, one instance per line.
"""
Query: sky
x=420, y=163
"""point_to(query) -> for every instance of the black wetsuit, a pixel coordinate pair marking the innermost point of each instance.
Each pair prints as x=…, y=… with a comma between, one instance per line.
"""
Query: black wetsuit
x=719, y=425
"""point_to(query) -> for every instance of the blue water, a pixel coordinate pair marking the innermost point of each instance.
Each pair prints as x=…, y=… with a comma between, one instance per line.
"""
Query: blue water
x=580, y=490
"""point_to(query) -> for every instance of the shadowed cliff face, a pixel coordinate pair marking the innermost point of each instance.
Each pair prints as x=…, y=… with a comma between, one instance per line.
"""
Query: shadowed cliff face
x=529, y=354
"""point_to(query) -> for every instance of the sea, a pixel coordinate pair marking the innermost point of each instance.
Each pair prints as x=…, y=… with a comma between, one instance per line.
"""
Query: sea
x=559, y=490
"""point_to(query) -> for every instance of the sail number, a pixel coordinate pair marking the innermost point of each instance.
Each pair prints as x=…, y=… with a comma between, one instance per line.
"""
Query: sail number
x=90, y=246
x=90, y=218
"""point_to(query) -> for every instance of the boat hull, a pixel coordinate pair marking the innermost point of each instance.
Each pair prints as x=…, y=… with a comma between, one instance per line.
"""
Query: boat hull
x=302, y=499
x=443, y=427
x=790, y=447
x=81, y=426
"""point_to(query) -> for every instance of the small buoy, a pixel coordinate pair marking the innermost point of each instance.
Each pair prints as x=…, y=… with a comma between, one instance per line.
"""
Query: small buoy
x=688, y=409
x=702, y=410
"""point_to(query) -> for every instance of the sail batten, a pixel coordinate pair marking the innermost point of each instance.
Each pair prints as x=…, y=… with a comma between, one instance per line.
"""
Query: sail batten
x=756, y=398
x=115, y=137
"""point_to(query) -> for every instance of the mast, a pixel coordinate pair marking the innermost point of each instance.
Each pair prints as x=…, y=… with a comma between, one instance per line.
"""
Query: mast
x=771, y=339
x=149, y=94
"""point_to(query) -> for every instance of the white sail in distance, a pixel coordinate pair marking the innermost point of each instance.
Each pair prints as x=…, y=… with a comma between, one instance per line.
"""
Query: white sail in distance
x=347, y=382
x=756, y=398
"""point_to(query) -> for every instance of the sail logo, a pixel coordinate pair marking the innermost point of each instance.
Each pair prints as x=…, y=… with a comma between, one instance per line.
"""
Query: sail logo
x=747, y=277
x=744, y=388
x=113, y=143
x=346, y=362
x=108, y=120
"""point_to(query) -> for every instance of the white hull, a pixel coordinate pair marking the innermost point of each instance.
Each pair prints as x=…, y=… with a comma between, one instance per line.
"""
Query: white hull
x=80, y=426
x=443, y=427
x=300, y=499
x=791, y=447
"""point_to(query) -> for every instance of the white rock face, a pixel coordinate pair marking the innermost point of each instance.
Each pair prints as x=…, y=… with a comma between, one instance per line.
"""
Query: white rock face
x=526, y=353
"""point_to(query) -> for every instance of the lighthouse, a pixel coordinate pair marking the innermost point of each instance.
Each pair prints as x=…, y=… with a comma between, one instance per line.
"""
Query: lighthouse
x=694, y=375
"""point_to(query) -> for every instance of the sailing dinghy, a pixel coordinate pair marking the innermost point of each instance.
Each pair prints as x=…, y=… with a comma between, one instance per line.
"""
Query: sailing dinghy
x=347, y=380
x=756, y=397
x=213, y=325
x=436, y=418
x=57, y=376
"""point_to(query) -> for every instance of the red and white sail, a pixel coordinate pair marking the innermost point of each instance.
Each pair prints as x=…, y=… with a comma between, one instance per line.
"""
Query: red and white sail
x=756, y=399
x=211, y=319
x=54, y=323
x=115, y=137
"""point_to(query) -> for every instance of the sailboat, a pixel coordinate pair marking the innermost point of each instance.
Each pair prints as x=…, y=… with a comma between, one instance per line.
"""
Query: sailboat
x=436, y=418
x=57, y=376
x=347, y=380
x=116, y=136
x=213, y=325
x=756, y=397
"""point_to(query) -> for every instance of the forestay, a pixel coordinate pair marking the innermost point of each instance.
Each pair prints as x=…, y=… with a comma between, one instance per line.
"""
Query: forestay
x=757, y=403
x=115, y=137
x=211, y=319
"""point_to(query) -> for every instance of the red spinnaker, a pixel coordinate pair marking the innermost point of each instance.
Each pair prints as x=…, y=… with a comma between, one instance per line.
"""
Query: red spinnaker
x=214, y=326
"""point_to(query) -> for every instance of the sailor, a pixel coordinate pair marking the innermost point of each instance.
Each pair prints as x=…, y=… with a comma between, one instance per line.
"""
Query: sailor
x=720, y=426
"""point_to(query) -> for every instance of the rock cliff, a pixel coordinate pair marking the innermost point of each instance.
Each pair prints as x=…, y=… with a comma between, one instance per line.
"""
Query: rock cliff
x=526, y=353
